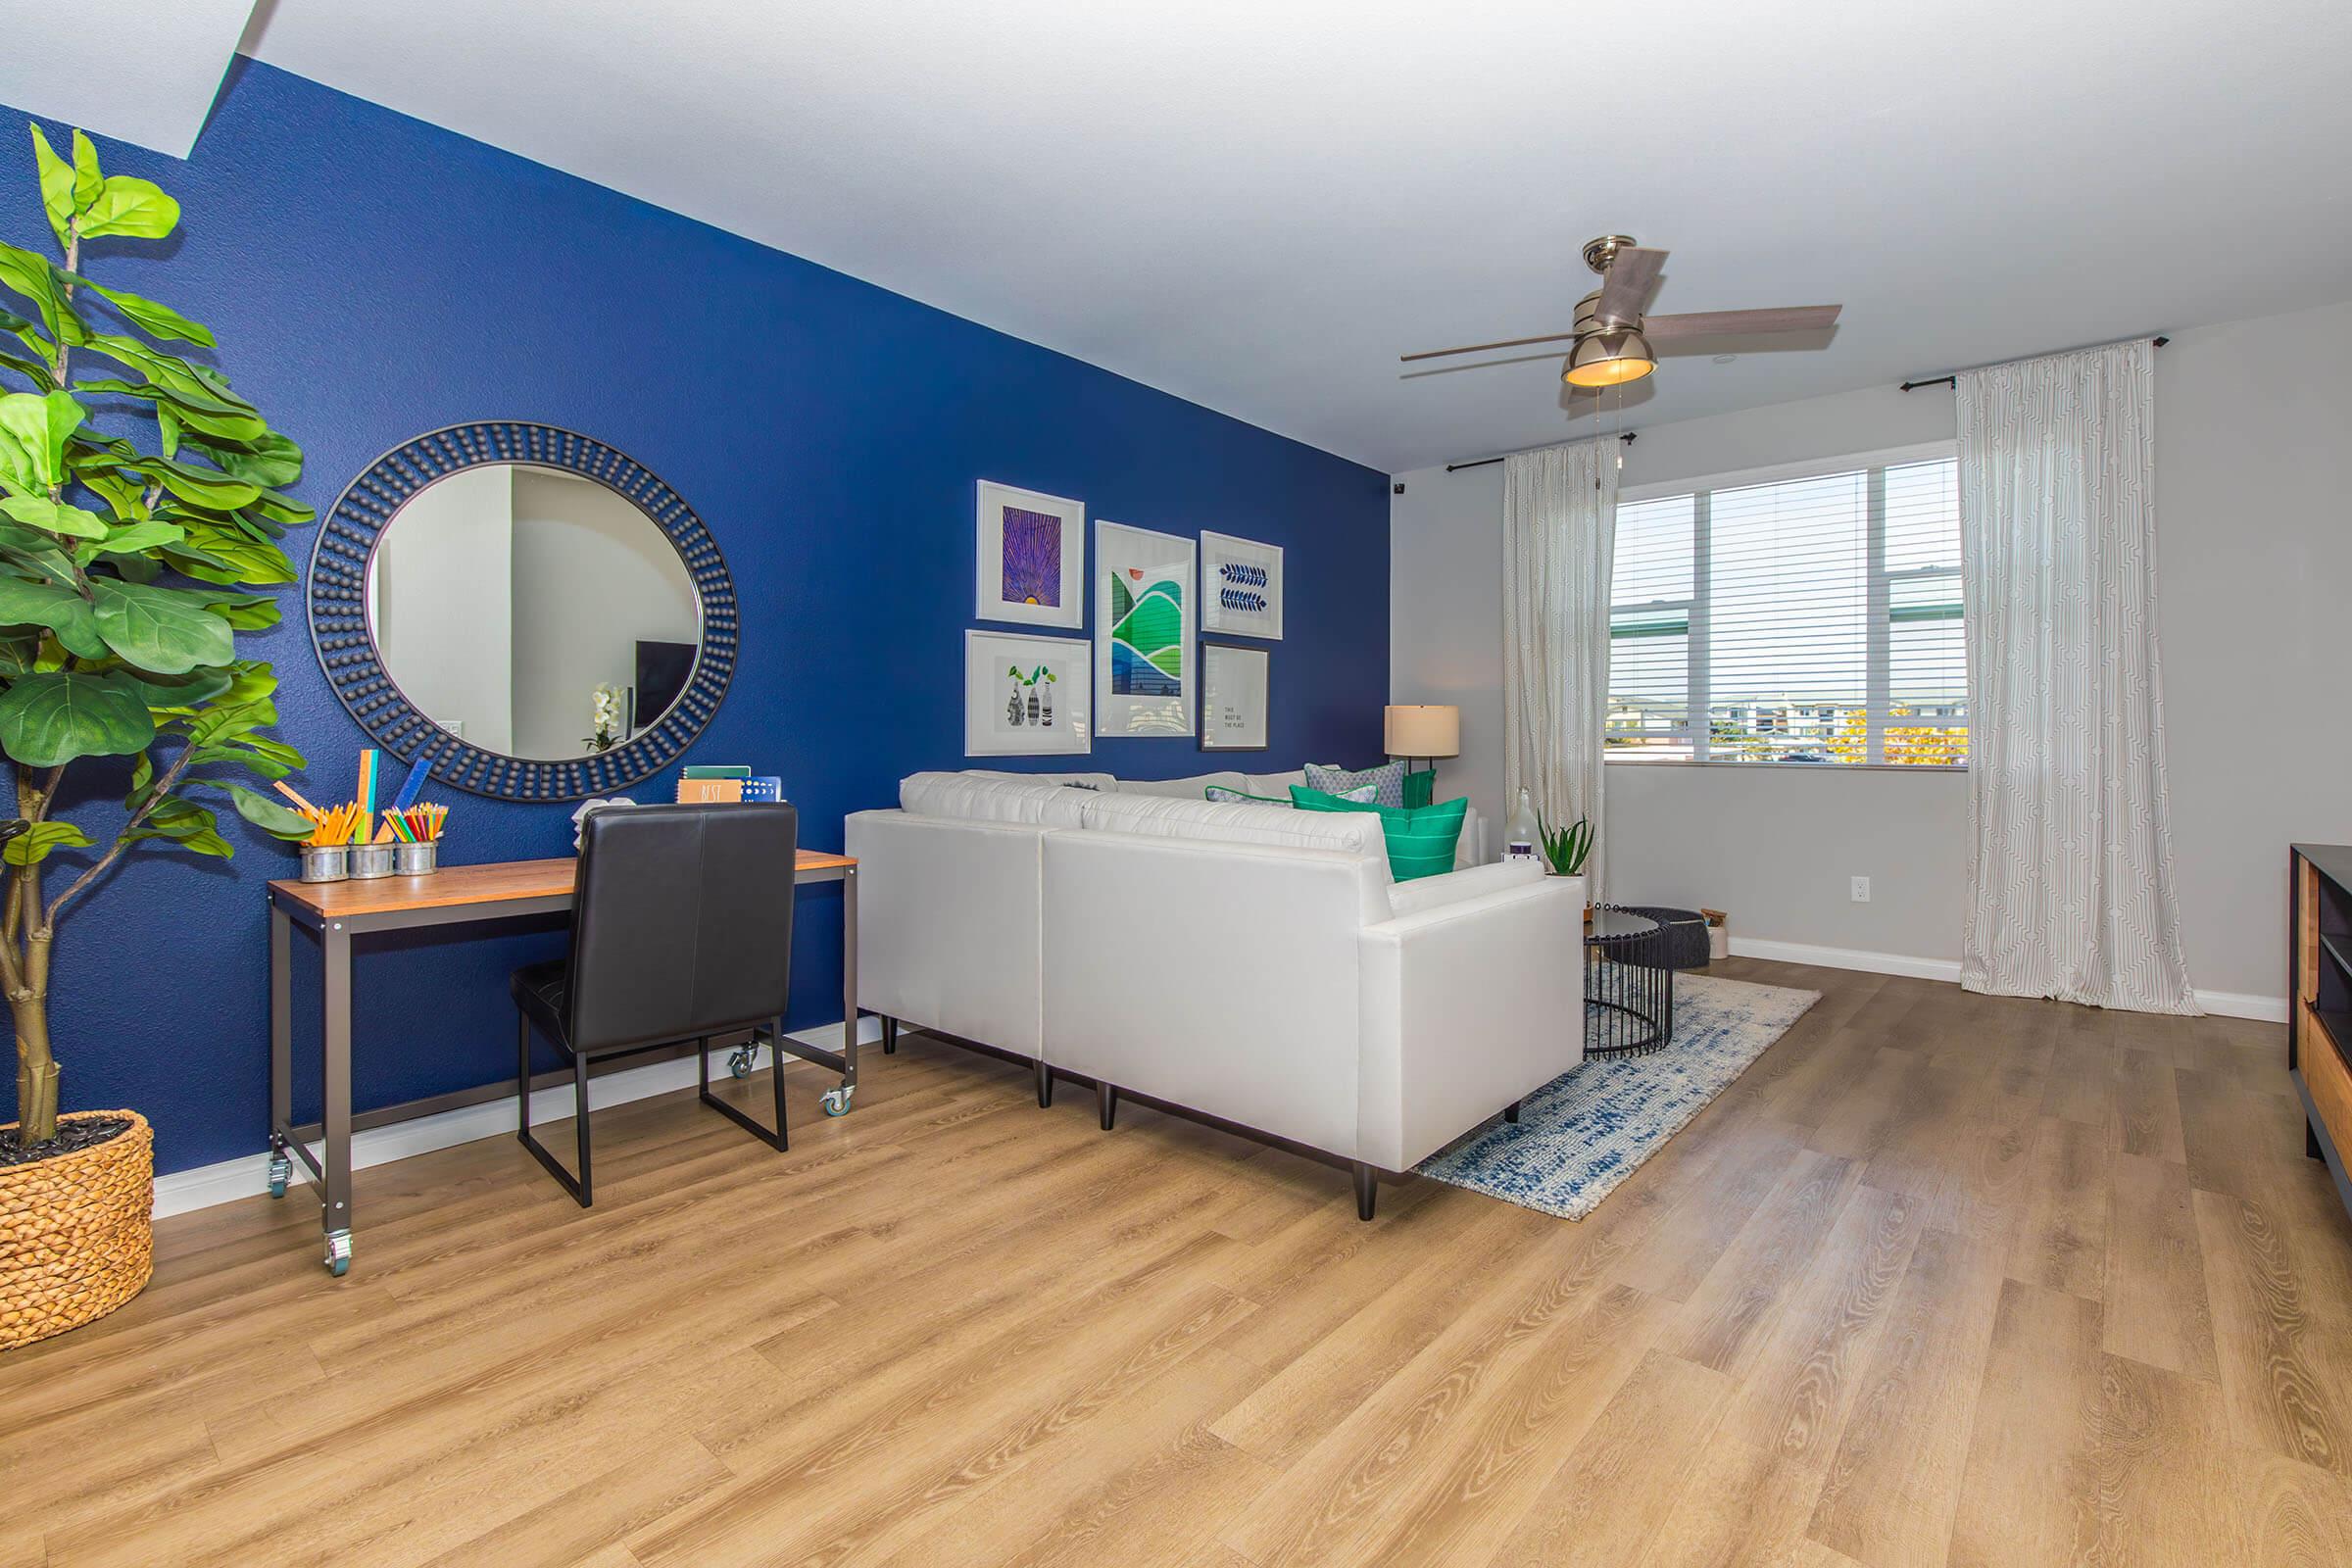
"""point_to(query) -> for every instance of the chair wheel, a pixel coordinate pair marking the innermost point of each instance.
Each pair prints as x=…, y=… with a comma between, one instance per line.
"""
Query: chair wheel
x=739, y=1061
x=835, y=1102
x=338, y=1255
x=281, y=1170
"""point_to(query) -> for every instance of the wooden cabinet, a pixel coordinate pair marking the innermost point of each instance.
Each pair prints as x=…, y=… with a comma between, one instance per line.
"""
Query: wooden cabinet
x=2319, y=1029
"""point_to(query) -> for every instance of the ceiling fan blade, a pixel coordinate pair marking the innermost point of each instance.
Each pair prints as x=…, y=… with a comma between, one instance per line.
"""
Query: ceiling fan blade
x=1627, y=288
x=1725, y=323
x=1478, y=348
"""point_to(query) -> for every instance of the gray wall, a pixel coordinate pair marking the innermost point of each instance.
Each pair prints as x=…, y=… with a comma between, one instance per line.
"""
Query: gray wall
x=2254, y=423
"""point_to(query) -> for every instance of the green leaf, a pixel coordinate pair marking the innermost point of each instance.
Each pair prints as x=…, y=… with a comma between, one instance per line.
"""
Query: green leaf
x=158, y=320
x=52, y=717
x=265, y=813
x=137, y=536
x=57, y=187
x=34, y=428
x=166, y=631
x=137, y=207
x=35, y=277
x=166, y=429
x=62, y=610
x=40, y=512
x=185, y=823
x=270, y=459
x=36, y=552
x=88, y=181
x=34, y=845
x=181, y=694
x=247, y=612
x=34, y=370
x=209, y=488
x=213, y=553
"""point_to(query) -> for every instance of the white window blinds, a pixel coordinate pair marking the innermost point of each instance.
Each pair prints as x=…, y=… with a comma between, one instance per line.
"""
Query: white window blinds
x=1812, y=618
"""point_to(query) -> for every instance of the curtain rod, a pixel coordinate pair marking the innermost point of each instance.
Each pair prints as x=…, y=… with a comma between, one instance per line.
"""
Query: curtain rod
x=1480, y=463
x=1954, y=378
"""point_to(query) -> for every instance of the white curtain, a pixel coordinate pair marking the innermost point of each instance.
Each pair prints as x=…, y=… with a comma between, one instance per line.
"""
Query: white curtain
x=2070, y=856
x=1559, y=536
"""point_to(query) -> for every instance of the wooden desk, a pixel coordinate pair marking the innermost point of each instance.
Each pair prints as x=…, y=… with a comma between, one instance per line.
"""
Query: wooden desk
x=510, y=890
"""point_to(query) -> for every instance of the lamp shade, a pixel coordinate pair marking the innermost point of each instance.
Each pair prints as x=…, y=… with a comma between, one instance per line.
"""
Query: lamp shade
x=1423, y=730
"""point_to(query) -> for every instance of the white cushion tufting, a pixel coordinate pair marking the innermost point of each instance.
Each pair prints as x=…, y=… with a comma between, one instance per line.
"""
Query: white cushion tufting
x=974, y=799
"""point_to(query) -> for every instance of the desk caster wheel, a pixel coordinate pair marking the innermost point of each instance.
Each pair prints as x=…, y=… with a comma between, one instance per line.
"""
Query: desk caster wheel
x=836, y=1102
x=281, y=1170
x=741, y=1058
x=338, y=1254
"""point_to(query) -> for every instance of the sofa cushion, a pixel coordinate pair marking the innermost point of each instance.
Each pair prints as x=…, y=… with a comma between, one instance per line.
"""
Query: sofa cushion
x=1221, y=794
x=1420, y=842
x=976, y=797
x=1244, y=823
x=1388, y=778
x=1276, y=785
x=1183, y=789
x=1076, y=781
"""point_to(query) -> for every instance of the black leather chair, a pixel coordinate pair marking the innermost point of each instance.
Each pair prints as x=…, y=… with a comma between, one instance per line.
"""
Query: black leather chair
x=681, y=929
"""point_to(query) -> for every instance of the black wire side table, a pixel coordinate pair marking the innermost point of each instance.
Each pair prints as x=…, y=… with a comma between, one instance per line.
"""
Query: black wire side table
x=1629, y=984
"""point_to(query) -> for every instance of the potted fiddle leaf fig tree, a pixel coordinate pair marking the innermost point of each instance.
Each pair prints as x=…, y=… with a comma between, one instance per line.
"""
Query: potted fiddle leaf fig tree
x=141, y=505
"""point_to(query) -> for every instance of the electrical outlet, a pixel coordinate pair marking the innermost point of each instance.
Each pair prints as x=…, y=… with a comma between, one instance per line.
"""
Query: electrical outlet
x=1861, y=889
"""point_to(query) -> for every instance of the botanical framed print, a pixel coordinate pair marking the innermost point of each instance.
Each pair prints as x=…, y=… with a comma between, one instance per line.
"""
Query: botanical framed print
x=1233, y=698
x=1145, y=626
x=1241, y=587
x=1025, y=696
x=1030, y=551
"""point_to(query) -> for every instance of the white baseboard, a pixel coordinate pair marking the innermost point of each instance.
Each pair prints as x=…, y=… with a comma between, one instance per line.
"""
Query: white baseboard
x=249, y=1174
x=2229, y=1004
x=1847, y=958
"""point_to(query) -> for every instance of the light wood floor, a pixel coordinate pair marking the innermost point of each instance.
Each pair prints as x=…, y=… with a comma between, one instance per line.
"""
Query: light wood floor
x=1941, y=1278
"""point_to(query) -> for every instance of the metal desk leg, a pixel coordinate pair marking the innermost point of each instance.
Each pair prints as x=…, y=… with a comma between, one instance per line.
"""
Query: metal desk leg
x=281, y=1047
x=849, y=982
x=335, y=1211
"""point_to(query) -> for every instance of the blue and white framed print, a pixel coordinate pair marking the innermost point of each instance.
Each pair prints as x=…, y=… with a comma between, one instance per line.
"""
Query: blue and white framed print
x=1144, y=628
x=1241, y=587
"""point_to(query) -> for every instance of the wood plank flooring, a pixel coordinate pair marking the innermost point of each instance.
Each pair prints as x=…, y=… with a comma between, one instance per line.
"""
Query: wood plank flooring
x=1942, y=1279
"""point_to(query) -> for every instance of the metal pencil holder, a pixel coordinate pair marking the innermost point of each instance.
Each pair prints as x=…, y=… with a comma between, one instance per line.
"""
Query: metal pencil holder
x=416, y=859
x=370, y=861
x=325, y=863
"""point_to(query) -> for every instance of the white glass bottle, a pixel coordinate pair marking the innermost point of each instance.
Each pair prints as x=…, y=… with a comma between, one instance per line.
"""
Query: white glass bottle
x=1520, y=835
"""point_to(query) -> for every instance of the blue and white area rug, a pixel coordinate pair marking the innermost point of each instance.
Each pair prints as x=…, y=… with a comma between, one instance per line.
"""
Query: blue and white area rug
x=1589, y=1129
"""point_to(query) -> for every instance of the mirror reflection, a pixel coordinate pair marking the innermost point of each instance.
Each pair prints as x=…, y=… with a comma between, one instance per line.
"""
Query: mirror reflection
x=532, y=612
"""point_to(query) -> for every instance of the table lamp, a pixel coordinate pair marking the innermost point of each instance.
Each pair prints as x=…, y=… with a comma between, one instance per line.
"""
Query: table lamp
x=1424, y=731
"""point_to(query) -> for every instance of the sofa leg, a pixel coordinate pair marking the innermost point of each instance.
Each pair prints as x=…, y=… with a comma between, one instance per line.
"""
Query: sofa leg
x=1106, y=1100
x=1510, y=1112
x=890, y=1036
x=1044, y=1084
x=1367, y=1188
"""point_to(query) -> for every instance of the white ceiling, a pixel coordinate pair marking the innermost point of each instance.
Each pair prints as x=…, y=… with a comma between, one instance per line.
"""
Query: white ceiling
x=138, y=71
x=1258, y=205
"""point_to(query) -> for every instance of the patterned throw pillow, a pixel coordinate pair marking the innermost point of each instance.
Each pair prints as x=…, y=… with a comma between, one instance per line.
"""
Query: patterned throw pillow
x=1229, y=796
x=1421, y=843
x=1386, y=781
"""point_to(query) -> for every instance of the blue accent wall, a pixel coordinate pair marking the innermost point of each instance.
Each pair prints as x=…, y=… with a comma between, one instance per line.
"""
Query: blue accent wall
x=370, y=277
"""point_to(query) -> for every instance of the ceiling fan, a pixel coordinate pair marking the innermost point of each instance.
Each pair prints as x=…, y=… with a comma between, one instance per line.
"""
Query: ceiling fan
x=1612, y=336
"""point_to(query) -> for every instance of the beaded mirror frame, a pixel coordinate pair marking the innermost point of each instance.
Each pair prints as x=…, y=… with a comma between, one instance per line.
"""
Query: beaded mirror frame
x=346, y=646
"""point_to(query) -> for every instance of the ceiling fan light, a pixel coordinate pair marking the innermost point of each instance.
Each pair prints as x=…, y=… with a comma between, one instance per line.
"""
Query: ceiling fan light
x=1608, y=358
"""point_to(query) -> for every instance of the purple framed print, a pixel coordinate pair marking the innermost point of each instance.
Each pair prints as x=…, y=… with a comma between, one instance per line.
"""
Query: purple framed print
x=1030, y=558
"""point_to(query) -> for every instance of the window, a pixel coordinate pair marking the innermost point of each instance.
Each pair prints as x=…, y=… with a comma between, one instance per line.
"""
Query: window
x=1805, y=618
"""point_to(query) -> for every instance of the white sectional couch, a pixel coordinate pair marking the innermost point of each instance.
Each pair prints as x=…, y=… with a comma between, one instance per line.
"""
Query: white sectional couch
x=1252, y=963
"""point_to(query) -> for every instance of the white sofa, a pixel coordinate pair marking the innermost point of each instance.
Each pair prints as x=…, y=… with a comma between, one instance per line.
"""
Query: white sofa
x=1252, y=964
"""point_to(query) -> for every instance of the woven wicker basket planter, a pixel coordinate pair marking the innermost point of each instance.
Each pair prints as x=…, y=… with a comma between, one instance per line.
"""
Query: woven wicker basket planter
x=76, y=1237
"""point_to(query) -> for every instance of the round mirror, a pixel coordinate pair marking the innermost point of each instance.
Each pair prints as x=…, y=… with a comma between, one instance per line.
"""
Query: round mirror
x=538, y=613
x=532, y=612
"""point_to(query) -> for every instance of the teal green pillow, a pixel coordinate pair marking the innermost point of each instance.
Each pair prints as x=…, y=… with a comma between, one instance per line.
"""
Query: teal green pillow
x=1420, y=788
x=1421, y=839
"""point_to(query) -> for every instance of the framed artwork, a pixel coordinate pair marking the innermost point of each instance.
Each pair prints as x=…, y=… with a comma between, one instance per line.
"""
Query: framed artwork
x=1233, y=698
x=1241, y=587
x=1031, y=555
x=1025, y=696
x=1145, y=625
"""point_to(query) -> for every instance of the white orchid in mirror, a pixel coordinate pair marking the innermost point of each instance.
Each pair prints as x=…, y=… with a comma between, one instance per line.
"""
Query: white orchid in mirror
x=605, y=720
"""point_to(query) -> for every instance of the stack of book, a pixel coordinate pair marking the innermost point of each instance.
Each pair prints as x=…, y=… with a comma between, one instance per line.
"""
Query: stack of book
x=707, y=782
